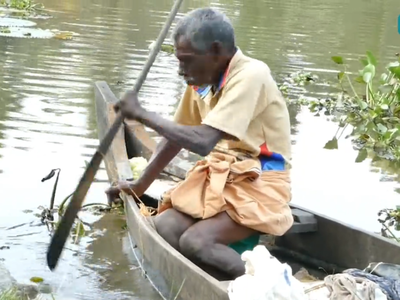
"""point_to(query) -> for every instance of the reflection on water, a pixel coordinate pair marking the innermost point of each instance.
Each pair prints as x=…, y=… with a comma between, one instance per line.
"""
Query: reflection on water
x=47, y=116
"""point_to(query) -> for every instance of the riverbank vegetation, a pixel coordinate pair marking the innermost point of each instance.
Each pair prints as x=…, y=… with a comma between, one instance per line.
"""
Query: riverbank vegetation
x=14, y=293
x=23, y=5
x=390, y=219
x=14, y=15
x=368, y=102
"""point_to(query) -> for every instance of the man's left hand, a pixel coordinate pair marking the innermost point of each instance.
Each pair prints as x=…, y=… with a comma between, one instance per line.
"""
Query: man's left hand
x=129, y=106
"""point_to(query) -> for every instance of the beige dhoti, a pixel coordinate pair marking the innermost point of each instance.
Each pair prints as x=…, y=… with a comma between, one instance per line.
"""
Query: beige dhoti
x=254, y=199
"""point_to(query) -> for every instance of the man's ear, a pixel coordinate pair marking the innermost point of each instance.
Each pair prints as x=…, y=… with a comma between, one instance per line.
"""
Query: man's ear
x=216, y=49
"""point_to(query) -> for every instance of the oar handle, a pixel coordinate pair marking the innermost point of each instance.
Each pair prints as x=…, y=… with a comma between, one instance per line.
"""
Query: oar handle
x=154, y=51
x=63, y=230
x=150, y=60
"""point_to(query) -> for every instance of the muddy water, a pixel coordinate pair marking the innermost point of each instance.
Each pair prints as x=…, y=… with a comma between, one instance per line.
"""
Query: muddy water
x=47, y=119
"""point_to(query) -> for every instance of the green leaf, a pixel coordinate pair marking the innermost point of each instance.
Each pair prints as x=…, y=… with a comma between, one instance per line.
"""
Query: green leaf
x=362, y=155
x=393, y=64
x=364, y=61
x=368, y=73
x=363, y=105
x=337, y=59
x=49, y=176
x=168, y=48
x=36, y=279
x=371, y=58
x=80, y=230
x=332, y=144
x=382, y=128
x=340, y=76
x=393, y=133
x=396, y=110
x=365, y=137
x=395, y=71
x=385, y=106
x=359, y=79
x=386, y=88
x=383, y=78
x=367, y=77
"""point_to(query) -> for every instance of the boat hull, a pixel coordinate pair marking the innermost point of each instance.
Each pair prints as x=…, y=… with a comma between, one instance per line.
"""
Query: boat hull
x=315, y=241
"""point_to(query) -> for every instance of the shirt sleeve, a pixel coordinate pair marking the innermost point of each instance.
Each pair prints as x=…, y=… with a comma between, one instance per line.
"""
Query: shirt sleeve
x=187, y=112
x=241, y=99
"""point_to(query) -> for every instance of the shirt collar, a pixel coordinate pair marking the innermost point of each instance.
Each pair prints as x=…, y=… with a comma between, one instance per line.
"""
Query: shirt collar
x=204, y=90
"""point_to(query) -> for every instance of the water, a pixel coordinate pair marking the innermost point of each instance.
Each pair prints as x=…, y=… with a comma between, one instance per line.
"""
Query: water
x=47, y=119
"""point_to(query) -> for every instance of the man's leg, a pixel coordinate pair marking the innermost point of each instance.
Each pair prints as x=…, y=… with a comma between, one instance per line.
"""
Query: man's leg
x=171, y=224
x=205, y=243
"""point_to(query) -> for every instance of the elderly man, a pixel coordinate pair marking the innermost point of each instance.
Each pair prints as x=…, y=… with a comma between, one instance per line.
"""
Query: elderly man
x=233, y=113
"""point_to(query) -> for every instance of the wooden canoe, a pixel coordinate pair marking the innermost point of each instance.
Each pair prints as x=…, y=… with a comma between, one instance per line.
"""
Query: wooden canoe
x=315, y=241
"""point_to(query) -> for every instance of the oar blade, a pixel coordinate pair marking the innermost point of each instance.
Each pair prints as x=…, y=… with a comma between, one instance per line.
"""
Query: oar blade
x=64, y=228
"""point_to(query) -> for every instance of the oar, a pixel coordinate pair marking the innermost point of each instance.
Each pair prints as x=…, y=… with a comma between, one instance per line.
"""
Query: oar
x=60, y=236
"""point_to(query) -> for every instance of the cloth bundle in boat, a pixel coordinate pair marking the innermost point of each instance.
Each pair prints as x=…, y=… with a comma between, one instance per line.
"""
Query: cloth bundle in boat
x=221, y=182
x=348, y=287
x=389, y=285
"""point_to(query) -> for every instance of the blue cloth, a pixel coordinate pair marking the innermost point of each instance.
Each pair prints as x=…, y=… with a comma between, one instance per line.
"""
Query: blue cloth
x=271, y=164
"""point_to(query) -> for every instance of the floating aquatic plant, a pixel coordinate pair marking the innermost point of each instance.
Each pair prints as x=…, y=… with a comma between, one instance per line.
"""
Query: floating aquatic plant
x=373, y=113
x=167, y=48
x=47, y=215
x=27, y=5
x=389, y=218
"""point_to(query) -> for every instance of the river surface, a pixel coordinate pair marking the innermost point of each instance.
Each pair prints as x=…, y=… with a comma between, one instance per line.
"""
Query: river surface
x=47, y=119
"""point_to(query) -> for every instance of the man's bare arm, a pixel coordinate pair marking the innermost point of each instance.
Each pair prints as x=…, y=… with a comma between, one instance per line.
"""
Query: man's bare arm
x=163, y=154
x=199, y=139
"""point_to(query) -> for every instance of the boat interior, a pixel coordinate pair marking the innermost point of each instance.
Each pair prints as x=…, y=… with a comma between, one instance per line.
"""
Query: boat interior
x=315, y=246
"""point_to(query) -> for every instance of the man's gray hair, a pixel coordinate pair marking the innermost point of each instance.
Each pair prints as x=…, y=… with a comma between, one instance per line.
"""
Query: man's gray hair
x=204, y=26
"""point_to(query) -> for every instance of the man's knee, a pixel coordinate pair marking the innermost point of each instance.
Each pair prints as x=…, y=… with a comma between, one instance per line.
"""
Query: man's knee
x=165, y=225
x=193, y=244
x=171, y=224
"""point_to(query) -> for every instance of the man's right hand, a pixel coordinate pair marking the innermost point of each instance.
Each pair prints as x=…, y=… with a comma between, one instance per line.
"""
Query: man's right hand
x=132, y=188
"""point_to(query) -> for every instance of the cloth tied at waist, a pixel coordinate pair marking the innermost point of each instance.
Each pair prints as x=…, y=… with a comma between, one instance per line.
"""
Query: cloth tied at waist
x=220, y=182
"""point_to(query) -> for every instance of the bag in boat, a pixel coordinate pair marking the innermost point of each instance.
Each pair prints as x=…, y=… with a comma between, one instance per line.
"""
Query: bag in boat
x=265, y=279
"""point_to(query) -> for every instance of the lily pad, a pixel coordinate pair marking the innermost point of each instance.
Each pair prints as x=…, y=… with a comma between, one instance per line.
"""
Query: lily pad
x=14, y=22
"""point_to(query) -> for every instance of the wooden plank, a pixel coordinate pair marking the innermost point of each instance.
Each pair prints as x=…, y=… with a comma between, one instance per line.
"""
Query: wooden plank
x=304, y=221
x=105, y=100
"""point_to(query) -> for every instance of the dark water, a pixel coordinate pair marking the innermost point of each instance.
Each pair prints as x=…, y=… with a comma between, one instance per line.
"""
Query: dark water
x=47, y=118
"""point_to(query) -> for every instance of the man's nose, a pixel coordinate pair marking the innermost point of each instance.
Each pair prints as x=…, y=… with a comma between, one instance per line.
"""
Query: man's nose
x=181, y=72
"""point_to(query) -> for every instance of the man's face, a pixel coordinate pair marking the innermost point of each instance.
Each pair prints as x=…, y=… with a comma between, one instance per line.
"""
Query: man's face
x=197, y=68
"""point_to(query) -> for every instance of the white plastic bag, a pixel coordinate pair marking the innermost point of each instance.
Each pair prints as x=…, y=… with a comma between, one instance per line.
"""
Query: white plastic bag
x=266, y=279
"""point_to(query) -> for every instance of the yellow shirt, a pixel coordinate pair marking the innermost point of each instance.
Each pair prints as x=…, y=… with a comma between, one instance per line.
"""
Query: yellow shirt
x=247, y=105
